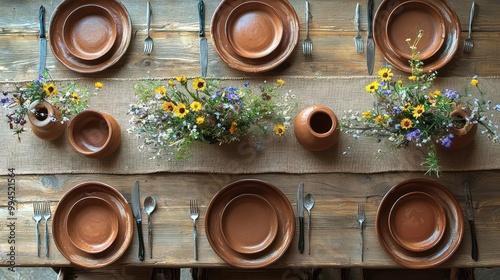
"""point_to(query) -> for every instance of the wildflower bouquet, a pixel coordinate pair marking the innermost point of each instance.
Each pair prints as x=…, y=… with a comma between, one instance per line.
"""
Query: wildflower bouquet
x=415, y=112
x=70, y=100
x=169, y=118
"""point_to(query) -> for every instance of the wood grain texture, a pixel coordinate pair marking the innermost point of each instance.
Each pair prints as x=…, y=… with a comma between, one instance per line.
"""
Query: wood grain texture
x=335, y=232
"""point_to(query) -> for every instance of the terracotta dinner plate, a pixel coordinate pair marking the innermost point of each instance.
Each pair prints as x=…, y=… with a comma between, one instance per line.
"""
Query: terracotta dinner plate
x=249, y=223
x=62, y=52
x=92, y=224
x=89, y=32
x=452, y=236
x=407, y=19
x=284, y=212
x=384, y=41
x=417, y=221
x=253, y=57
x=60, y=222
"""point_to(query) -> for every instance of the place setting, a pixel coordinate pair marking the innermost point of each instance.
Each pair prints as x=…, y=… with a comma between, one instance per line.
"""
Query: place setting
x=419, y=223
x=254, y=36
x=397, y=21
x=249, y=223
x=93, y=225
x=90, y=36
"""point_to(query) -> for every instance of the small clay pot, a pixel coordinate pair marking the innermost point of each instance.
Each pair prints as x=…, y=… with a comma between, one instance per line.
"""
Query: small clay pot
x=315, y=128
x=42, y=125
x=94, y=134
x=465, y=135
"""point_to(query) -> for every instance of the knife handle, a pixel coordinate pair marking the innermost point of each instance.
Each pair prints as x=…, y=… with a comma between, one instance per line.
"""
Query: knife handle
x=201, y=17
x=141, y=240
x=301, y=235
x=370, y=18
x=475, y=251
x=41, y=16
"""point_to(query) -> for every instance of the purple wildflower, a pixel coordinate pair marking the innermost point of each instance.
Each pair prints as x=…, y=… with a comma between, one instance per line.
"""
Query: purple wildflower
x=446, y=142
x=246, y=84
x=451, y=94
x=413, y=135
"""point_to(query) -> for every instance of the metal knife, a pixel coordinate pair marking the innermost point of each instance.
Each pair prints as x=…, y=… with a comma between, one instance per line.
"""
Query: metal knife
x=136, y=209
x=370, y=45
x=300, y=212
x=43, y=41
x=203, y=39
x=470, y=217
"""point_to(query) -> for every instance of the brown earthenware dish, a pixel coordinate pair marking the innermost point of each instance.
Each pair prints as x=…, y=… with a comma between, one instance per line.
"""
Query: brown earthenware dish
x=284, y=212
x=249, y=223
x=417, y=221
x=60, y=49
x=231, y=57
x=441, y=57
x=89, y=32
x=92, y=224
x=60, y=223
x=452, y=236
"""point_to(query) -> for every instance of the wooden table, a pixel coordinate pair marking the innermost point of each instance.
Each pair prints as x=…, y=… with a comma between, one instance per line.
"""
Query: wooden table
x=336, y=239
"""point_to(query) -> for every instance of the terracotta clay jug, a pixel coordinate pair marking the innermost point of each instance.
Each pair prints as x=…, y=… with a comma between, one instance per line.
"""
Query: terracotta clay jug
x=45, y=120
x=315, y=128
x=464, y=135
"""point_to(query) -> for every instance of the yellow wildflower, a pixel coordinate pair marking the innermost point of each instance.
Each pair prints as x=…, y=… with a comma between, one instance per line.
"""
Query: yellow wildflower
x=199, y=84
x=168, y=106
x=279, y=129
x=367, y=114
x=75, y=97
x=234, y=127
x=474, y=82
x=407, y=107
x=406, y=123
x=195, y=106
x=171, y=83
x=98, y=85
x=418, y=111
x=161, y=90
x=180, y=110
x=435, y=93
x=372, y=87
x=50, y=89
x=280, y=82
x=200, y=120
x=379, y=119
x=412, y=78
x=181, y=79
x=385, y=74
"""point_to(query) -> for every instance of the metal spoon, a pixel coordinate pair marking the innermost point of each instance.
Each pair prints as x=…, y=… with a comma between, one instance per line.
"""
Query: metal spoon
x=149, y=207
x=308, y=204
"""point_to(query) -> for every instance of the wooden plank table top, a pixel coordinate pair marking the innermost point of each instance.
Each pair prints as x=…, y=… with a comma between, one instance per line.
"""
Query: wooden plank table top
x=335, y=233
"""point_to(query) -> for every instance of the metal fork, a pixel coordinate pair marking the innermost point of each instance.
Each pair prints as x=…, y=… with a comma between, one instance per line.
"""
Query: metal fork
x=468, y=43
x=193, y=208
x=307, y=45
x=361, y=220
x=358, y=40
x=37, y=210
x=46, y=216
x=148, y=42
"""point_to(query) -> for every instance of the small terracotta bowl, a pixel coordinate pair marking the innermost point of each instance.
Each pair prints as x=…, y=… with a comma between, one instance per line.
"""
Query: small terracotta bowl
x=254, y=29
x=417, y=221
x=94, y=134
x=92, y=224
x=89, y=32
x=406, y=20
x=249, y=223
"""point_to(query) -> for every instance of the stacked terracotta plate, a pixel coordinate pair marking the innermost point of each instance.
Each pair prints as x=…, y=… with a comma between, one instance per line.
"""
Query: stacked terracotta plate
x=419, y=223
x=250, y=223
x=90, y=36
x=398, y=20
x=256, y=35
x=93, y=225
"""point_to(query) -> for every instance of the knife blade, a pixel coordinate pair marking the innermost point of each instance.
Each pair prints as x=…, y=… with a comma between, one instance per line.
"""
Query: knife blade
x=470, y=217
x=203, y=39
x=136, y=210
x=300, y=212
x=370, y=45
x=43, y=41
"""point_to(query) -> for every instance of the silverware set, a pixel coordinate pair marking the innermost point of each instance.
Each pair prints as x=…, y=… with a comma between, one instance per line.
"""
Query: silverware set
x=307, y=45
x=149, y=207
x=42, y=210
x=194, y=212
x=469, y=43
x=307, y=203
x=148, y=42
x=361, y=220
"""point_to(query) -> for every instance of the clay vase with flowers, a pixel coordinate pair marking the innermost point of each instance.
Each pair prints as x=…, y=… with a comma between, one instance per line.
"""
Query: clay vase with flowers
x=46, y=106
x=415, y=112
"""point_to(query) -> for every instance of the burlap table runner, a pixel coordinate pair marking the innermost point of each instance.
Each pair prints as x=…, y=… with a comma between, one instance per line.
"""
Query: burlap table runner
x=272, y=155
